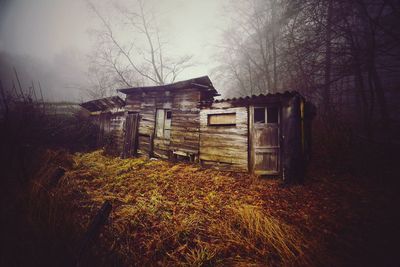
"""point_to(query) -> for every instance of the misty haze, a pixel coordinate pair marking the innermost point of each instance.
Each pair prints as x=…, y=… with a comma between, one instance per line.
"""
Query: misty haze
x=55, y=41
x=199, y=132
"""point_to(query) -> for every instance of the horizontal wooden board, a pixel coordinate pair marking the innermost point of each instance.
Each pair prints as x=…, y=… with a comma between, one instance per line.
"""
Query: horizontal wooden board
x=224, y=166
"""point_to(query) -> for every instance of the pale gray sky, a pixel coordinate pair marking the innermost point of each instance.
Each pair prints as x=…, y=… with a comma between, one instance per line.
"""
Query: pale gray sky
x=55, y=34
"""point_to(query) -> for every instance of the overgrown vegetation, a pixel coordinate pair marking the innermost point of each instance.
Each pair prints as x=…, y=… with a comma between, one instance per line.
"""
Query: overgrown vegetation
x=176, y=214
x=179, y=214
x=28, y=128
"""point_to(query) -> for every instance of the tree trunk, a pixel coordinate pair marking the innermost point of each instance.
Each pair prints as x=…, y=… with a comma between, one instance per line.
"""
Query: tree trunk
x=328, y=64
x=274, y=28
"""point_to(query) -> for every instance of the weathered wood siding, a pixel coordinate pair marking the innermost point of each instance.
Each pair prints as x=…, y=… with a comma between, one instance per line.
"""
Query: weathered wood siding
x=185, y=127
x=117, y=131
x=224, y=147
x=111, y=131
x=185, y=124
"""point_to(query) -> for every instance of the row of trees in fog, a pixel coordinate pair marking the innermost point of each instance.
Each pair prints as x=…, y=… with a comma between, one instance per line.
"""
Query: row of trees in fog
x=337, y=53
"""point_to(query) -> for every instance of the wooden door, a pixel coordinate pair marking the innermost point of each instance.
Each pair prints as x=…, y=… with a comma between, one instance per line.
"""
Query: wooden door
x=131, y=135
x=265, y=140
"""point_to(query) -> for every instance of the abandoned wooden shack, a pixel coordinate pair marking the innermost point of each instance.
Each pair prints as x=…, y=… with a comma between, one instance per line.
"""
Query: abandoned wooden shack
x=266, y=134
x=109, y=115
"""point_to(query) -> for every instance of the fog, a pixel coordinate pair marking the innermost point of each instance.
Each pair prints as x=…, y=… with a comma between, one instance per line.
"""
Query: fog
x=50, y=40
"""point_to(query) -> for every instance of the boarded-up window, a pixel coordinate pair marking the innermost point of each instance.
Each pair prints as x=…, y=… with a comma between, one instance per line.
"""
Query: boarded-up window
x=163, y=123
x=222, y=119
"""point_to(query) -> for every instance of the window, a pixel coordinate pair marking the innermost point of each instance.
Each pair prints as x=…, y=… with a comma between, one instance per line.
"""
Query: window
x=272, y=115
x=163, y=123
x=266, y=115
x=169, y=114
x=222, y=119
x=259, y=115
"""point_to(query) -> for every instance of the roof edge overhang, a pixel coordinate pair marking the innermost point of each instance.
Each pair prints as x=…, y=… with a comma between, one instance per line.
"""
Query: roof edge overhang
x=203, y=83
x=103, y=104
x=286, y=94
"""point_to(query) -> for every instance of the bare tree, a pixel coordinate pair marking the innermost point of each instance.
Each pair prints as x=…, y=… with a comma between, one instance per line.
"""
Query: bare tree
x=139, y=60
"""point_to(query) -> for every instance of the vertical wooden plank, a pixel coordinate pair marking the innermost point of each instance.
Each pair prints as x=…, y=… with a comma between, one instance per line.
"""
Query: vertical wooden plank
x=167, y=126
x=135, y=132
x=160, y=123
x=131, y=135
x=251, y=139
x=126, y=137
x=101, y=130
x=249, y=126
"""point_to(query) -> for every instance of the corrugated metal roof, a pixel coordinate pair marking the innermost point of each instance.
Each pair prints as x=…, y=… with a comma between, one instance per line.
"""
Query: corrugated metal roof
x=256, y=97
x=103, y=104
x=203, y=83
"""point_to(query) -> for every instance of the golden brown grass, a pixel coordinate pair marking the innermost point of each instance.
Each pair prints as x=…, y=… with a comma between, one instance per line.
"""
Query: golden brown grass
x=176, y=214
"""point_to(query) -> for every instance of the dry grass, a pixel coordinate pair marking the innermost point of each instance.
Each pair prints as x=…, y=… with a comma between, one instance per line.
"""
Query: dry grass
x=175, y=214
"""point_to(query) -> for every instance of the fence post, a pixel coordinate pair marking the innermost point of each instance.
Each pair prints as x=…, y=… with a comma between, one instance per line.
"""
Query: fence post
x=94, y=229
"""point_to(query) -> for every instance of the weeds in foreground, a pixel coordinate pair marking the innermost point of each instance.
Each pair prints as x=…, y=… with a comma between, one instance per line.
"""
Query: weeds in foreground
x=165, y=214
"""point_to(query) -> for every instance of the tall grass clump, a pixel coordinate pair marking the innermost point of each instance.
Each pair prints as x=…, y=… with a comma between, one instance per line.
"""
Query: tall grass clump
x=266, y=238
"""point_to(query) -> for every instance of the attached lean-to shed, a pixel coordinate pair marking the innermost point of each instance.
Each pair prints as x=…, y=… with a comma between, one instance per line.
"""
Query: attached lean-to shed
x=109, y=114
x=265, y=134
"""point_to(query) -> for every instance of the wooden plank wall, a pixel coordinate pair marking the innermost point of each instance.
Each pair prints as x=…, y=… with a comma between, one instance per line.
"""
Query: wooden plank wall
x=185, y=123
x=185, y=107
x=224, y=147
x=117, y=130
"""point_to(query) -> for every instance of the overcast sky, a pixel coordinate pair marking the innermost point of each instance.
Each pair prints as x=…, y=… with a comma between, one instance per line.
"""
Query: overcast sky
x=55, y=34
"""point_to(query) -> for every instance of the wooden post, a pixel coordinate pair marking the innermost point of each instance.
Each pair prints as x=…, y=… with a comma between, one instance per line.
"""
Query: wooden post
x=131, y=135
x=151, y=145
x=94, y=229
x=135, y=135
